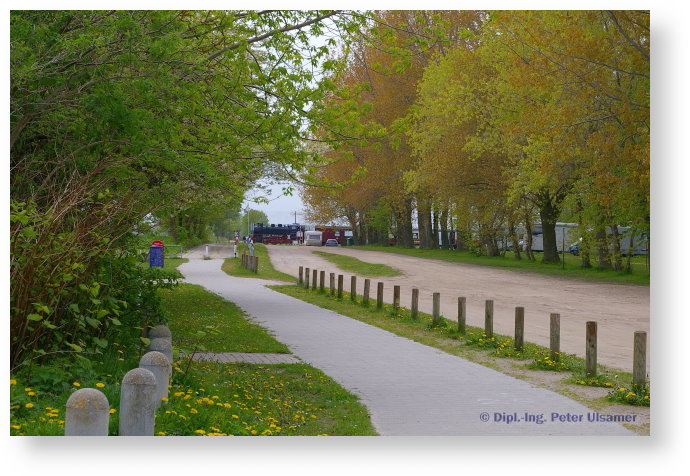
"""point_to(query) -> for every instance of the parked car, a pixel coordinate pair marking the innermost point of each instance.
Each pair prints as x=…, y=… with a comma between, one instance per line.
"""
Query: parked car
x=332, y=242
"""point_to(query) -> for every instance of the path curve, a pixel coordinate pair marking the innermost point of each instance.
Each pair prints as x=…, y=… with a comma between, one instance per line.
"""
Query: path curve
x=409, y=388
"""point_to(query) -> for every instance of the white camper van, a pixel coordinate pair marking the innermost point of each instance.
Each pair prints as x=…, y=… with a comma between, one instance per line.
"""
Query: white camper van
x=312, y=238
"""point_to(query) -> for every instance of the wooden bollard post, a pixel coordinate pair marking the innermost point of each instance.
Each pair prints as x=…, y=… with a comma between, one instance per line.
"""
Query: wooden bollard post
x=162, y=345
x=414, y=305
x=436, y=309
x=244, y=260
x=322, y=280
x=519, y=328
x=591, y=349
x=306, y=278
x=489, y=318
x=159, y=366
x=353, y=288
x=300, y=279
x=555, y=334
x=640, y=359
x=332, y=283
x=313, y=279
x=87, y=413
x=256, y=264
x=340, y=286
x=138, y=403
x=396, y=297
x=365, y=294
x=379, y=295
x=462, y=315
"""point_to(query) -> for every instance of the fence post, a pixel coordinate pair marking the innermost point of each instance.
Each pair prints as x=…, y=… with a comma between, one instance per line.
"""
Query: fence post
x=313, y=278
x=137, y=403
x=159, y=366
x=300, y=279
x=591, y=349
x=436, y=309
x=87, y=413
x=462, y=315
x=489, y=318
x=365, y=295
x=340, y=286
x=162, y=345
x=379, y=295
x=640, y=359
x=414, y=306
x=306, y=278
x=519, y=328
x=396, y=297
x=331, y=277
x=256, y=264
x=555, y=336
x=353, y=288
x=322, y=279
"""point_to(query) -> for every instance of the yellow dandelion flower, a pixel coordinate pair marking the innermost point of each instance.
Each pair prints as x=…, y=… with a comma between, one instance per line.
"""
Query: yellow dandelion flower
x=161, y=433
x=76, y=384
x=200, y=432
x=164, y=399
x=112, y=410
x=193, y=410
x=29, y=405
x=13, y=381
x=100, y=385
x=31, y=394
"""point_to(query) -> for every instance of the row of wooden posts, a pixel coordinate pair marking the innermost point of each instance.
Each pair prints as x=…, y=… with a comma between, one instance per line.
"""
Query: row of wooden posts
x=639, y=342
x=142, y=391
x=250, y=262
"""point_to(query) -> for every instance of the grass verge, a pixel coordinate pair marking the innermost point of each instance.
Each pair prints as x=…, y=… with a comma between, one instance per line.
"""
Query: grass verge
x=204, y=321
x=534, y=363
x=356, y=266
x=572, y=267
x=233, y=266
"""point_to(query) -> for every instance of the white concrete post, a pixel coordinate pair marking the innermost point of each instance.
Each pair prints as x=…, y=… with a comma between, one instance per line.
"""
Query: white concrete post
x=87, y=413
x=160, y=367
x=138, y=403
x=206, y=252
x=162, y=345
x=160, y=330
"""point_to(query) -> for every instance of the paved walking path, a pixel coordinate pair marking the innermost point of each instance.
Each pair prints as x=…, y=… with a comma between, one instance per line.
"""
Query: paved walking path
x=409, y=388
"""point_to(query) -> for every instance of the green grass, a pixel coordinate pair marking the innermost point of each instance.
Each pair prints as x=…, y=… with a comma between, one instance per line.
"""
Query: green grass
x=206, y=398
x=572, y=269
x=245, y=399
x=233, y=267
x=356, y=266
x=209, y=398
x=223, y=324
x=473, y=345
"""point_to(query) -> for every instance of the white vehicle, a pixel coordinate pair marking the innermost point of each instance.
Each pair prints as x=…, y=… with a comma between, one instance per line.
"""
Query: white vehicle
x=312, y=238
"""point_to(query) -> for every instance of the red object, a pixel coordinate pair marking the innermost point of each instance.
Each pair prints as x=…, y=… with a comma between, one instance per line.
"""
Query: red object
x=158, y=243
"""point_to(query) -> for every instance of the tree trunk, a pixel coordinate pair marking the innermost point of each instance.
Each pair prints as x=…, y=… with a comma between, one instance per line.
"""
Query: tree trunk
x=404, y=220
x=424, y=223
x=434, y=228
x=602, y=247
x=514, y=240
x=549, y=216
x=444, y=229
x=616, y=248
x=528, y=238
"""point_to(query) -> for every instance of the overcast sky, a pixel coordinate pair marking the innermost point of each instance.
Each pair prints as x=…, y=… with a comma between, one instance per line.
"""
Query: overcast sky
x=281, y=208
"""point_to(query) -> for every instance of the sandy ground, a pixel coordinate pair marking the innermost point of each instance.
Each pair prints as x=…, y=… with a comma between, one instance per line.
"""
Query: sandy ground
x=619, y=310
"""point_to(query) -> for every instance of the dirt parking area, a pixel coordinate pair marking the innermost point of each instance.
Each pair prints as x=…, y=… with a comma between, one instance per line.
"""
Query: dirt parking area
x=619, y=310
